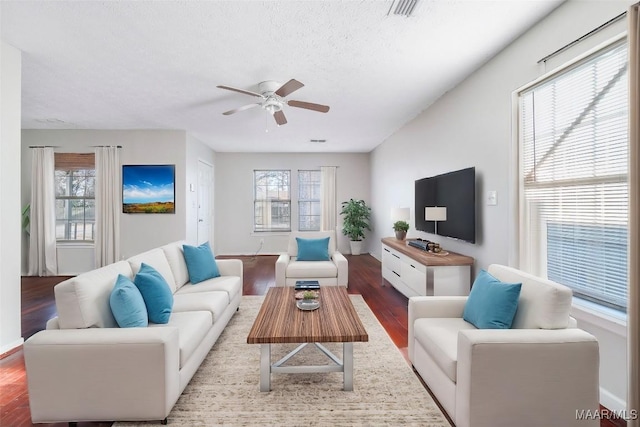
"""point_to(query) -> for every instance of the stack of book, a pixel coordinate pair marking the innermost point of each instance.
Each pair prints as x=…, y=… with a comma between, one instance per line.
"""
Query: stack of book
x=307, y=285
x=420, y=244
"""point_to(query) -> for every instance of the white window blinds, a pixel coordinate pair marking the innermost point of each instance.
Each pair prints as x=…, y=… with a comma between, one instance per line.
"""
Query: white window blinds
x=573, y=177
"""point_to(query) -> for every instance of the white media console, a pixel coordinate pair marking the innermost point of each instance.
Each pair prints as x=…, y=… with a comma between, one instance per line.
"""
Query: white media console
x=415, y=272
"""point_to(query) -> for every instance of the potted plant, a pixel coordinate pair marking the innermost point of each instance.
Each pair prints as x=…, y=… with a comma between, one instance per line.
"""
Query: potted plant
x=356, y=220
x=309, y=301
x=401, y=228
x=308, y=295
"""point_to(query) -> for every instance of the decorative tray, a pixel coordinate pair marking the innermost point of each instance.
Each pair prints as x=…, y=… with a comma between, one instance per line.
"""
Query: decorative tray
x=441, y=253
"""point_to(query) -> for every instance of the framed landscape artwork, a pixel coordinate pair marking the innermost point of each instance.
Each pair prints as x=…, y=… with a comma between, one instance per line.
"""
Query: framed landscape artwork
x=148, y=188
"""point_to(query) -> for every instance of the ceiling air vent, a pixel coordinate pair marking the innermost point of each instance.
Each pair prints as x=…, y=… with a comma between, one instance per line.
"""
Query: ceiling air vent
x=402, y=7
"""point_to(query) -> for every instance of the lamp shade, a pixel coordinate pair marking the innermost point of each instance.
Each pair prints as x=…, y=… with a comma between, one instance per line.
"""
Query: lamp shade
x=435, y=213
x=400, y=214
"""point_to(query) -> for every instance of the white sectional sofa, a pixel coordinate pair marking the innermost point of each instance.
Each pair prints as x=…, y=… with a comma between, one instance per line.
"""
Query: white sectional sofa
x=539, y=373
x=83, y=367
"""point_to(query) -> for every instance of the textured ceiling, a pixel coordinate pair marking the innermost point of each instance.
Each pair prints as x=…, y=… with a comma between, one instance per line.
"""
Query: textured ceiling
x=155, y=65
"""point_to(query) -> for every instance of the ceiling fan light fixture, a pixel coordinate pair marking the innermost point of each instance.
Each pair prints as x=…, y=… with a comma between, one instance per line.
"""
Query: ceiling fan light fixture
x=272, y=105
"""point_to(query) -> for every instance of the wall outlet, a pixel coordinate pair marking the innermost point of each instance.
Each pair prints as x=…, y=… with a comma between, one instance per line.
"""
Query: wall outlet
x=261, y=242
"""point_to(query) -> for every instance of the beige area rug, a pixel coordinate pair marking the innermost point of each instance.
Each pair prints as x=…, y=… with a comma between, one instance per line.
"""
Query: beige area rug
x=225, y=390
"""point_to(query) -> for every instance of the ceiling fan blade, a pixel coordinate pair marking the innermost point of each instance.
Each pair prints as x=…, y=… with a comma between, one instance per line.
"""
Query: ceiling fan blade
x=289, y=87
x=280, y=118
x=244, y=107
x=309, y=106
x=246, y=92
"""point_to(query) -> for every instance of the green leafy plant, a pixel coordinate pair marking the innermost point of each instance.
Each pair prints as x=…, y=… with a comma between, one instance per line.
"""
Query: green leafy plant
x=401, y=226
x=356, y=219
x=309, y=295
x=26, y=218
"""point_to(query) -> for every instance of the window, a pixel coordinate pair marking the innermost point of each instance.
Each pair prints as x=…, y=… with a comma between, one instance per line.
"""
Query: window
x=309, y=200
x=272, y=200
x=573, y=146
x=75, y=178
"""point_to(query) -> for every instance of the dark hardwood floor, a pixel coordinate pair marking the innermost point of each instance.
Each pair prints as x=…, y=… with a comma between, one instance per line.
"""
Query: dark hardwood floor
x=389, y=306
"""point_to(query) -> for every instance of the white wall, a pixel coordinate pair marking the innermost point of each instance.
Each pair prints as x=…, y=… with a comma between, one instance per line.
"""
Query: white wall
x=10, y=105
x=138, y=232
x=612, y=339
x=471, y=126
x=141, y=232
x=234, y=195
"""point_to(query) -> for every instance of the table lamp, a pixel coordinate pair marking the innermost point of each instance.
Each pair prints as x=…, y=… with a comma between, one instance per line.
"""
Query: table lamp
x=435, y=213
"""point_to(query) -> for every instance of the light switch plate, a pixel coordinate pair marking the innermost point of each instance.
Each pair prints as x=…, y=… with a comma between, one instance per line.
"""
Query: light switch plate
x=492, y=198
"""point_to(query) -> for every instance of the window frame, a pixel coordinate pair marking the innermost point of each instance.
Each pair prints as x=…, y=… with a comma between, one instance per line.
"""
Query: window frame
x=283, y=202
x=310, y=201
x=72, y=164
x=519, y=227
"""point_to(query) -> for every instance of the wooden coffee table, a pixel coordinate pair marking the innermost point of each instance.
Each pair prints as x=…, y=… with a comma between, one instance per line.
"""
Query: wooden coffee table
x=280, y=321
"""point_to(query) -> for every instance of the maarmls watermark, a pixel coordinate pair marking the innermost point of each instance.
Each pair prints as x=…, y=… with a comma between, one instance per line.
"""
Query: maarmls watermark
x=606, y=414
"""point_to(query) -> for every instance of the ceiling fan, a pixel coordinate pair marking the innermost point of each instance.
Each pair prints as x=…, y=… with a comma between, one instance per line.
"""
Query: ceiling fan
x=272, y=96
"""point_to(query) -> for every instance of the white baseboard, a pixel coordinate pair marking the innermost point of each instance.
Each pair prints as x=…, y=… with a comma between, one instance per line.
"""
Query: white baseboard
x=8, y=347
x=612, y=402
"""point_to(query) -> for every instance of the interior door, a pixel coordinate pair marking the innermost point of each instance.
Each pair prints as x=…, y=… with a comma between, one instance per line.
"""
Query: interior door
x=205, y=197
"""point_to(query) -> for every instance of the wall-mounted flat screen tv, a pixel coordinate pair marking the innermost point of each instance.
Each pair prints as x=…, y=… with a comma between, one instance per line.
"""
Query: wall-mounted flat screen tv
x=457, y=192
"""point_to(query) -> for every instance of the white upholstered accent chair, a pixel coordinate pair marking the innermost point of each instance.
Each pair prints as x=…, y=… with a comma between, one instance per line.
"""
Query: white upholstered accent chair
x=539, y=373
x=332, y=272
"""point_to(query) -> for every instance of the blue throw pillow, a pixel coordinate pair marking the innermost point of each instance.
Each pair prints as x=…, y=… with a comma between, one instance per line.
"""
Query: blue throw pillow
x=155, y=292
x=313, y=249
x=492, y=304
x=127, y=304
x=200, y=262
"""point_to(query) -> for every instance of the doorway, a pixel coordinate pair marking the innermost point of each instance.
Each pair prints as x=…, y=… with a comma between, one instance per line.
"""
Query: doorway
x=205, y=205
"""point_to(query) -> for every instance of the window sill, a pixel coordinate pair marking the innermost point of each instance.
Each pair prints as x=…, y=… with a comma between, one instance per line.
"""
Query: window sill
x=271, y=233
x=281, y=233
x=71, y=244
x=607, y=318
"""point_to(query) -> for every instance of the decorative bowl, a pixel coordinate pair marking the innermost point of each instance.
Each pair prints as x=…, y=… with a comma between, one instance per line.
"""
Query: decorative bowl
x=308, y=304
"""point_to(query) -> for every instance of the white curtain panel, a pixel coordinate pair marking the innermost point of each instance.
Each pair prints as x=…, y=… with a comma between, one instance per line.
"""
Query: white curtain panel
x=328, y=205
x=42, y=233
x=633, y=303
x=108, y=191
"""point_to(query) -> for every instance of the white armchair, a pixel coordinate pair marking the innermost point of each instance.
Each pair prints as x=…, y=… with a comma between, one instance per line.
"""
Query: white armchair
x=332, y=272
x=539, y=373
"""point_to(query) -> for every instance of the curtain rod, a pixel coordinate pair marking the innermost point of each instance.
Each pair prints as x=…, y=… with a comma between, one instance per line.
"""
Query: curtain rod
x=579, y=39
x=57, y=146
